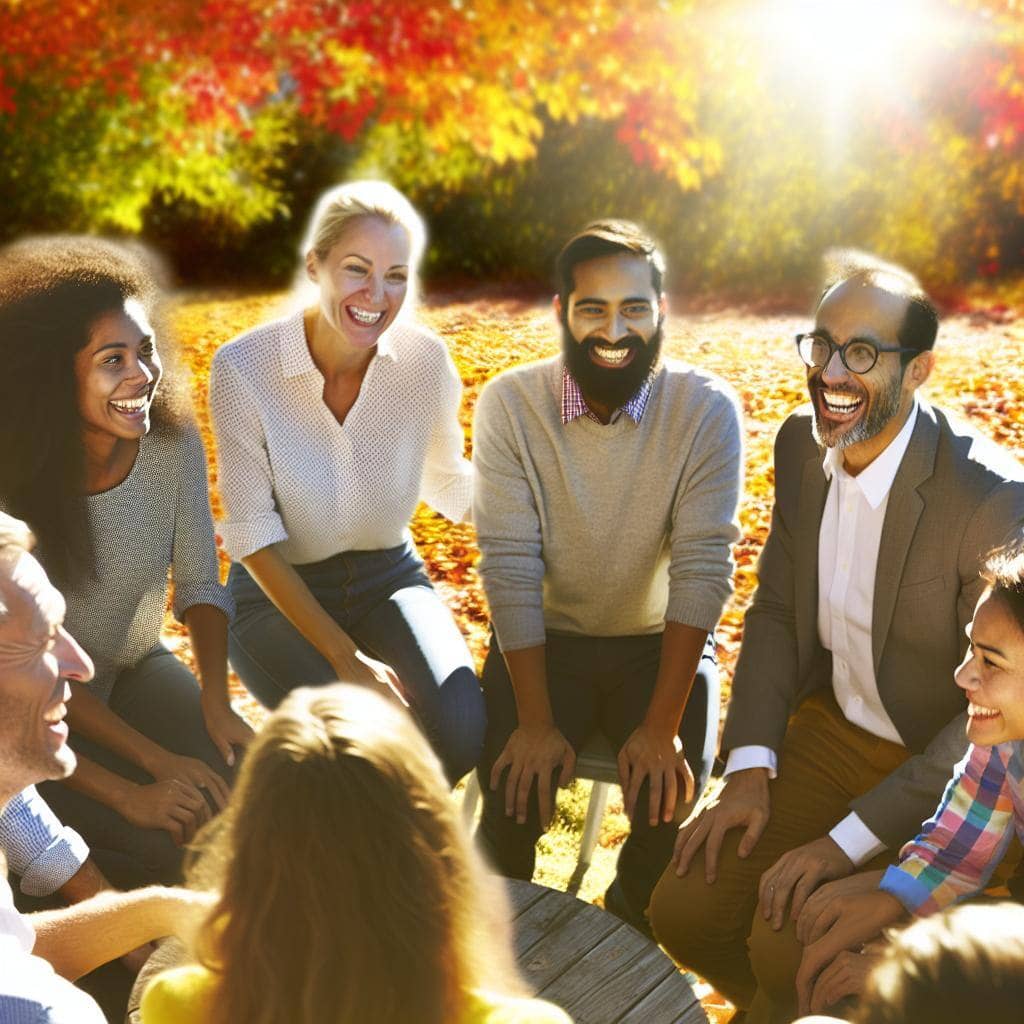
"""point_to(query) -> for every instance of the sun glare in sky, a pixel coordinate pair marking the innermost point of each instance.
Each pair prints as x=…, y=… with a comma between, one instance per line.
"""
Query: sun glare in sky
x=847, y=41
x=841, y=58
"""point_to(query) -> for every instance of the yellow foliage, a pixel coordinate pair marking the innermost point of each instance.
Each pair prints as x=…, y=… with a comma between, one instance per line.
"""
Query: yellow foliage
x=980, y=376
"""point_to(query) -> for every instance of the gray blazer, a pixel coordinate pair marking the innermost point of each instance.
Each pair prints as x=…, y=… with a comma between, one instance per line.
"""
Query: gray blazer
x=956, y=495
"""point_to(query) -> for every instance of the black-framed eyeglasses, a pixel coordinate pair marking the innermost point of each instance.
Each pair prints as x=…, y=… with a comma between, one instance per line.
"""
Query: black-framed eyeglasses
x=859, y=355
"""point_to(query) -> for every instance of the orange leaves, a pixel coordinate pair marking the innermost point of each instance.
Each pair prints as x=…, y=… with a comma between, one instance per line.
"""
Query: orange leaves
x=980, y=375
x=468, y=84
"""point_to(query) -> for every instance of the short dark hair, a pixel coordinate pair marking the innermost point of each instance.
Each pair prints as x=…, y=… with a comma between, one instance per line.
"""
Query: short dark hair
x=920, y=323
x=1003, y=571
x=607, y=238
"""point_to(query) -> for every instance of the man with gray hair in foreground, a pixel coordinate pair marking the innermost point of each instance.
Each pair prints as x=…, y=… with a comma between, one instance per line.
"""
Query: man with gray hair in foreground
x=39, y=951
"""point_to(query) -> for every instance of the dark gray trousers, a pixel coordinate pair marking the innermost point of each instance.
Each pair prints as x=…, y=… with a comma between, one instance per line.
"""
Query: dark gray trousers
x=594, y=683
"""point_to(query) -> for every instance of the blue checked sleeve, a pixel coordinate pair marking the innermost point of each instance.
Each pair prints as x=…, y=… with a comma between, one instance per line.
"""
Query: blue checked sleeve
x=38, y=847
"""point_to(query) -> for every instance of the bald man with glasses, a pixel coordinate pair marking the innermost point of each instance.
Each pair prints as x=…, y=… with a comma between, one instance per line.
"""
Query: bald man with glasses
x=845, y=721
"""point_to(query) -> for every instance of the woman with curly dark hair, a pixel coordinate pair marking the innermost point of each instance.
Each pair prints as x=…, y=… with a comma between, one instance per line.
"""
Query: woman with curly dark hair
x=101, y=458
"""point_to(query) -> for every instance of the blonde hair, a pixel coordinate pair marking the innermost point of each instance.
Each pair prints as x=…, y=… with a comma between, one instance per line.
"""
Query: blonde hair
x=338, y=207
x=945, y=969
x=349, y=890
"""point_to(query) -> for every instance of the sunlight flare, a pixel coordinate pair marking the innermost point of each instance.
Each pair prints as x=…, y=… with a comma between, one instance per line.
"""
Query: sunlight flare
x=851, y=49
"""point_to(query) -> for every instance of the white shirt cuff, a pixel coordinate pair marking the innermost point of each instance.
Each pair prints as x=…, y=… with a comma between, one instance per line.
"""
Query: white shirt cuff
x=856, y=840
x=752, y=756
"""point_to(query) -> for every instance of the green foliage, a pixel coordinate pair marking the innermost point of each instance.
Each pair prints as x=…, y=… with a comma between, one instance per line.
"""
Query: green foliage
x=209, y=126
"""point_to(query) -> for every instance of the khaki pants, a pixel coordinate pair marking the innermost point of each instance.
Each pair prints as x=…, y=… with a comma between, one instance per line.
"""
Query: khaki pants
x=825, y=762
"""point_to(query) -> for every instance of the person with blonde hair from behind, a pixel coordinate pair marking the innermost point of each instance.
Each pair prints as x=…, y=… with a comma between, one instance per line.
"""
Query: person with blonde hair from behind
x=947, y=969
x=349, y=891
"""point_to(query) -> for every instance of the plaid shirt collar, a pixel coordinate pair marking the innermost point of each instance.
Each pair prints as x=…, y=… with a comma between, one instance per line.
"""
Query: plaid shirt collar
x=574, y=405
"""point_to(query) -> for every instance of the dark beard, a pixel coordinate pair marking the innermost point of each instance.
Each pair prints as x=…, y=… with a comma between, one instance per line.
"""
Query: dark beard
x=602, y=384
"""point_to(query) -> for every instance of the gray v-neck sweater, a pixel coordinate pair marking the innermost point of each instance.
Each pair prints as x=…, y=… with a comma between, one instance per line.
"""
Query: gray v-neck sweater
x=605, y=530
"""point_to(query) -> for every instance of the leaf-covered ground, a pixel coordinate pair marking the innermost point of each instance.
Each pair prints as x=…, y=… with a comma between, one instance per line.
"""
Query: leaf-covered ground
x=979, y=376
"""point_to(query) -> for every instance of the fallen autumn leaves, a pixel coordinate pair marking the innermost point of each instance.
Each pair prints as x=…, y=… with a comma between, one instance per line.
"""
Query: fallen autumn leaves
x=980, y=376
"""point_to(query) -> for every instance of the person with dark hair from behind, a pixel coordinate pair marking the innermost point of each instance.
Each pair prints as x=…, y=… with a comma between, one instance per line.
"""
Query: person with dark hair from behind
x=605, y=502
x=982, y=809
x=111, y=474
x=844, y=723
x=387, y=916
x=962, y=964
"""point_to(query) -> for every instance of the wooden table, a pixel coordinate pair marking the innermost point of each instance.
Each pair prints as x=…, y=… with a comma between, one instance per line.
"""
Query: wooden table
x=598, y=969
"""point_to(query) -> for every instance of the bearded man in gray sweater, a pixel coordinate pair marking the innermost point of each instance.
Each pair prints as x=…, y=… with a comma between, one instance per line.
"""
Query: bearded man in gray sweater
x=605, y=503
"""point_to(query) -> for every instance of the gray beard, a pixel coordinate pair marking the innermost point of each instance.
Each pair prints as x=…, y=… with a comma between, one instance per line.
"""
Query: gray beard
x=884, y=407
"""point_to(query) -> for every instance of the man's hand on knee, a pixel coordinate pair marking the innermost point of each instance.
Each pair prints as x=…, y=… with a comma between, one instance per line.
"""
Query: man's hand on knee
x=660, y=760
x=533, y=753
x=797, y=874
x=742, y=803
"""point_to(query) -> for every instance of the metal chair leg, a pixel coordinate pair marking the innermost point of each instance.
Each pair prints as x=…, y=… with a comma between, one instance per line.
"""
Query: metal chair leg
x=591, y=831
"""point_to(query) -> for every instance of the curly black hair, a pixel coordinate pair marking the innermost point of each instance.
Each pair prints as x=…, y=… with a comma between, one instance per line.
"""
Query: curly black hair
x=53, y=289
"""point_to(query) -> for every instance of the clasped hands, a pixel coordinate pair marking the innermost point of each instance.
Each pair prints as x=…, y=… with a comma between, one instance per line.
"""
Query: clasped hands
x=175, y=800
x=535, y=753
x=835, y=924
x=835, y=911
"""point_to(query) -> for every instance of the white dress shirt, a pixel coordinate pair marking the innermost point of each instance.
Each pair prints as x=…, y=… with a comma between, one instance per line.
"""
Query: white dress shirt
x=30, y=991
x=291, y=474
x=848, y=541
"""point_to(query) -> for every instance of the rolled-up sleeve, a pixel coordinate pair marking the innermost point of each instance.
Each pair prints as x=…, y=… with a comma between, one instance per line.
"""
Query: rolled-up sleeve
x=704, y=517
x=194, y=557
x=42, y=851
x=251, y=518
x=447, y=475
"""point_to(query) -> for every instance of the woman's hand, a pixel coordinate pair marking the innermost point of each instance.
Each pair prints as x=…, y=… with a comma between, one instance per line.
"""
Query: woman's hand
x=865, y=918
x=845, y=976
x=363, y=670
x=169, y=804
x=830, y=901
x=227, y=729
x=192, y=772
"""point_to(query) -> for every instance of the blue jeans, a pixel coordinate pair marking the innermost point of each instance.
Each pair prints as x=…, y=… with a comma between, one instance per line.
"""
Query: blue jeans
x=385, y=603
